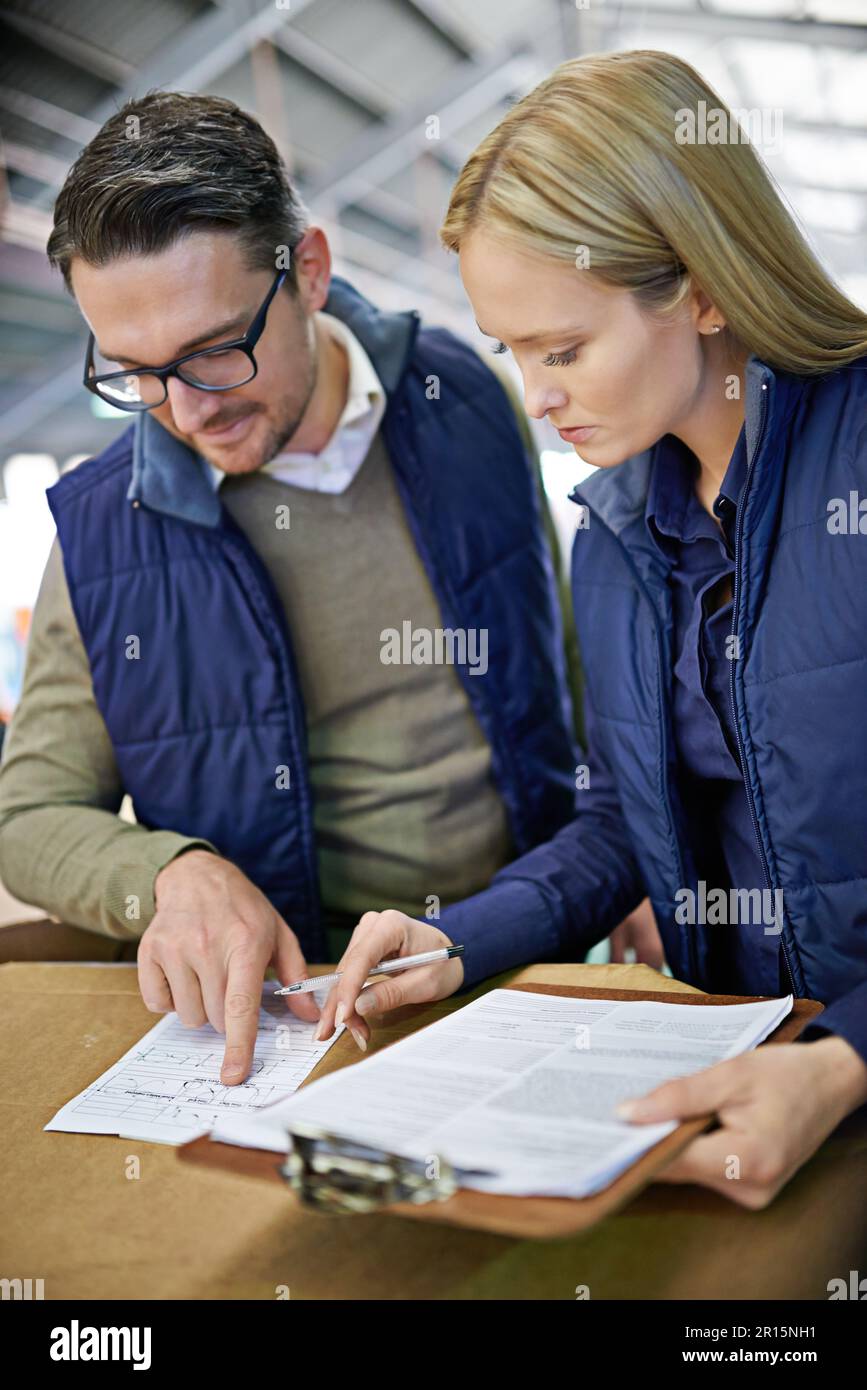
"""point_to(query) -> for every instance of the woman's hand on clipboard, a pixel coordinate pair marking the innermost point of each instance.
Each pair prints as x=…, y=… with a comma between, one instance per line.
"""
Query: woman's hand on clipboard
x=383, y=936
x=774, y=1107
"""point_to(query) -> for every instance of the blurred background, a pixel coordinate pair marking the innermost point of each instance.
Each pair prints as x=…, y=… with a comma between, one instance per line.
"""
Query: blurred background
x=349, y=90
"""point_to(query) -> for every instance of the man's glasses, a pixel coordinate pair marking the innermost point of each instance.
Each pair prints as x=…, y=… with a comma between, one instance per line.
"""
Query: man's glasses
x=219, y=368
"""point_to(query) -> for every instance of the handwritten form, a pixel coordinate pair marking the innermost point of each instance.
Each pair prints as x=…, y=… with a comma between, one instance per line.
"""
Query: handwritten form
x=517, y=1090
x=167, y=1087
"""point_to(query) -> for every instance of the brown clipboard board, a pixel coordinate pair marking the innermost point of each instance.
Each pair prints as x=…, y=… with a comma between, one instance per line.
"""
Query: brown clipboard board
x=529, y=1217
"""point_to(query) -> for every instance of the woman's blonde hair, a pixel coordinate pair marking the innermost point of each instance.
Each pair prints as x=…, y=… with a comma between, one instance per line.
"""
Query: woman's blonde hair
x=589, y=159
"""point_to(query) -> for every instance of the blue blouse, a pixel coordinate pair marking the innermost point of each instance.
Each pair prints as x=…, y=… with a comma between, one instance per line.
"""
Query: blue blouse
x=699, y=553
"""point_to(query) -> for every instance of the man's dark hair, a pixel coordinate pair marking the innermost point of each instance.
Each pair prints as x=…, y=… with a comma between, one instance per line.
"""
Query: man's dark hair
x=170, y=163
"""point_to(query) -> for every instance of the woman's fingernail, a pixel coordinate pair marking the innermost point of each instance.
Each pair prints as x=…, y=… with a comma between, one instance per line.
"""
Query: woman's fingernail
x=366, y=1002
x=340, y=1015
x=317, y=1036
x=359, y=1038
x=627, y=1110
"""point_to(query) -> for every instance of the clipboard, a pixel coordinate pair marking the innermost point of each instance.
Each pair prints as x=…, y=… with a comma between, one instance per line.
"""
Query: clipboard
x=329, y=1177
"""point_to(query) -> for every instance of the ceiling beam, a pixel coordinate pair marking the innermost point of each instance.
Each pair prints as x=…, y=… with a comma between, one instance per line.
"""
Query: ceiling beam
x=378, y=153
x=455, y=27
x=203, y=51
x=48, y=116
x=36, y=164
x=193, y=59
x=83, y=54
x=712, y=24
x=346, y=80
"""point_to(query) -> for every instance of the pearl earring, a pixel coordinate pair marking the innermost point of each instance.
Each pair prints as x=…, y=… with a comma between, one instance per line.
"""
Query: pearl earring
x=716, y=328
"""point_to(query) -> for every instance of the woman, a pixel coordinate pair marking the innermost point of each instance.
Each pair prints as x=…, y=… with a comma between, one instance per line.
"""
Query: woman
x=669, y=319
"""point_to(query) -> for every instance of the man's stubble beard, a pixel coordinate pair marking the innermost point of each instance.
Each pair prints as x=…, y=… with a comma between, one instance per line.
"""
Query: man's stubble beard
x=281, y=432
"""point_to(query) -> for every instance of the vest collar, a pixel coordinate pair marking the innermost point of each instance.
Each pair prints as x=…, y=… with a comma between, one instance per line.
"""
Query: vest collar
x=169, y=477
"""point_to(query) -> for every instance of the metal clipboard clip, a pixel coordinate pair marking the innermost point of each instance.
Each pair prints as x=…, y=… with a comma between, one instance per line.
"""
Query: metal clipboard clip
x=345, y=1178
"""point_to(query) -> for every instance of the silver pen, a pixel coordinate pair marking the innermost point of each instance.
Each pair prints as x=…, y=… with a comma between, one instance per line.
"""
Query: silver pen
x=385, y=967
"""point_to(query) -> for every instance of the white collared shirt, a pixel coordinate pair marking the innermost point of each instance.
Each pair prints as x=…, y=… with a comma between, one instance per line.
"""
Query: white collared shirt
x=335, y=466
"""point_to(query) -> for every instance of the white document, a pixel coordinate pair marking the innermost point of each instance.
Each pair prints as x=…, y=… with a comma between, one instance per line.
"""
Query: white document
x=517, y=1090
x=167, y=1087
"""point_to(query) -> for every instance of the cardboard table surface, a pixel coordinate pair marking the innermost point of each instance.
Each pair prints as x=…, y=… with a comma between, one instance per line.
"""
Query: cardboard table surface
x=71, y=1215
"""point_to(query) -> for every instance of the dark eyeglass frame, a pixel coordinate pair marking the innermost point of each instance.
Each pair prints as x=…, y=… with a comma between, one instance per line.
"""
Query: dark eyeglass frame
x=244, y=344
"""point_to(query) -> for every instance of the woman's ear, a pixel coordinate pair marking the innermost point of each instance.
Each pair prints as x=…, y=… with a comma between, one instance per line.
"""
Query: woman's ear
x=705, y=315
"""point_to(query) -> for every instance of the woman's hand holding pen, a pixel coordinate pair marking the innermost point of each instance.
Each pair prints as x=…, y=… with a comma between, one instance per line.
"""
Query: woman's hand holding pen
x=383, y=936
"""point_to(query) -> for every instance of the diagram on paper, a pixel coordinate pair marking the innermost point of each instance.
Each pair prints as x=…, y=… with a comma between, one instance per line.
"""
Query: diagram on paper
x=167, y=1087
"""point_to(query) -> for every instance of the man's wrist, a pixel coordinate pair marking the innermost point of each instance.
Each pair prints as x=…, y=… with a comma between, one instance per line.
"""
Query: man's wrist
x=195, y=853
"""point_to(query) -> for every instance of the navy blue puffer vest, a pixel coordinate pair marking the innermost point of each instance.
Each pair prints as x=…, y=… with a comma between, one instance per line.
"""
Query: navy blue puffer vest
x=798, y=689
x=211, y=709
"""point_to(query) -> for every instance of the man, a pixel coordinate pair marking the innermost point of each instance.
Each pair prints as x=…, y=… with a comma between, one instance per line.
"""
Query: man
x=303, y=611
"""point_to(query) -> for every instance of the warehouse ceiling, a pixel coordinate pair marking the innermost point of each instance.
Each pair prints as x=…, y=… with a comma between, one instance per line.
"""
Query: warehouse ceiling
x=345, y=87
